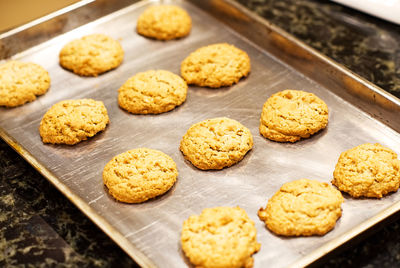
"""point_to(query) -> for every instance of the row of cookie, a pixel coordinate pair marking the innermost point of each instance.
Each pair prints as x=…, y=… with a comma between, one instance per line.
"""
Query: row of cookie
x=95, y=54
x=212, y=66
x=367, y=170
x=286, y=116
x=22, y=82
x=147, y=92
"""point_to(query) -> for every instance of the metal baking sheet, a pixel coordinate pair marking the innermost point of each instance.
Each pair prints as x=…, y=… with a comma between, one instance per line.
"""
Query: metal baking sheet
x=359, y=112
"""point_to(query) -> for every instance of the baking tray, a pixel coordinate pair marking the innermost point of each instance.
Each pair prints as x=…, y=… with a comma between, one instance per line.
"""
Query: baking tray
x=359, y=112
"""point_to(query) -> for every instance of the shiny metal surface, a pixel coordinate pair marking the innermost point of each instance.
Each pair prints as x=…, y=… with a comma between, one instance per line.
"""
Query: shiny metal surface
x=150, y=232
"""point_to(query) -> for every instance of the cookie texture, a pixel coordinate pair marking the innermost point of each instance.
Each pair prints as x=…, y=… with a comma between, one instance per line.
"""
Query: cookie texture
x=164, y=22
x=139, y=174
x=21, y=82
x=303, y=208
x=152, y=92
x=220, y=237
x=290, y=115
x=367, y=170
x=215, y=66
x=216, y=143
x=72, y=121
x=91, y=55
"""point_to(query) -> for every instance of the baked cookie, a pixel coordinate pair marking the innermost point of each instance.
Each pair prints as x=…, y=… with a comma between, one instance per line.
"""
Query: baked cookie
x=164, y=22
x=289, y=115
x=220, y=237
x=368, y=170
x=152, y=92
x=216, y=143
x=139, y=174
x=91, y=55
x=215, y=66
x=21, y=82
x=72, y=121
x=303, y=208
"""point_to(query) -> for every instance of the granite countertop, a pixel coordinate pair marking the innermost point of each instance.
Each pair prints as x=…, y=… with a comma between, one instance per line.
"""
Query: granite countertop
x=39, y=227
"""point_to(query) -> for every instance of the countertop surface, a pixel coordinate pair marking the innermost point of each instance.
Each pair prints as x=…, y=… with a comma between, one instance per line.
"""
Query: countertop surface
x=39, y=227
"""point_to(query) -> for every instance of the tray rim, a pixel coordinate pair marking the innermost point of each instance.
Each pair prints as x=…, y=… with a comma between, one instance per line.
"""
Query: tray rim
x=115, y=235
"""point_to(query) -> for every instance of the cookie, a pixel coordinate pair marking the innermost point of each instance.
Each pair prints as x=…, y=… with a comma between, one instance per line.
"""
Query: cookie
x=303, y=208
x=220, y=237
x=367, y=170
x=164, y=22
x=152, y=92
x=21, y=82
x=72, y=121
x=216, y=143
x=215, y=66
x=91, y=55
x=139, y=174
x=290, y=115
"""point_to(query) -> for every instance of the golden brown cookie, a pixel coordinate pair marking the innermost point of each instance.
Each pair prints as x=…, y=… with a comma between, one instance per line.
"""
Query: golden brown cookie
x=91, y=55
x=289, y=115
x=72, y=121
x=139, y=174
x=303, y=208
x=215, y=66
x=369, y=170
x=164, y=22
x=21, y=82
x=216, y=143
x=220, y=237
x=152, y=92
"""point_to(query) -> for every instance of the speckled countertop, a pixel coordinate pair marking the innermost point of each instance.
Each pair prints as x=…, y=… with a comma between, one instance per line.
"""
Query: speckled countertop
x=39, y=227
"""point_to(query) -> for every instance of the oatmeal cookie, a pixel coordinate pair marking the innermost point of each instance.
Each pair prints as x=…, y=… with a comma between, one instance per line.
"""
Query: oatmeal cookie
x=72, y=121
x=139, y=174
x=367, y=170
x=91, y=55
x=303, y=208
x=290, y=115
x=216, y=143
x=215, y=66
x=220, y=237
x=152, y=92
x=22, y=82
x=164, y=22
